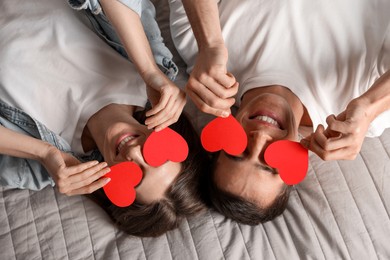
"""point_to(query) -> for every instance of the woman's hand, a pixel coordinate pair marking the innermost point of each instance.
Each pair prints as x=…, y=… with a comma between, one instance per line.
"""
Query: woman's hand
x=71, y=176
x=344, y=136
x=210, y=87
x=166, y=98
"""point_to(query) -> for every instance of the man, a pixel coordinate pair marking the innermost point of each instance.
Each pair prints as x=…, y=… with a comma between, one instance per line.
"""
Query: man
x=300, y=65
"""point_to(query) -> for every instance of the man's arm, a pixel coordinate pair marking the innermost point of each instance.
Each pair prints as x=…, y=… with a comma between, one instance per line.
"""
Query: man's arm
x=378, y=96
x=344, y=136
x=204, y=19
x=210, y=86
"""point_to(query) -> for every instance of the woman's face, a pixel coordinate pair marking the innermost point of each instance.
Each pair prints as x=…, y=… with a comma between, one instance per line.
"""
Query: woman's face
x=120, y=138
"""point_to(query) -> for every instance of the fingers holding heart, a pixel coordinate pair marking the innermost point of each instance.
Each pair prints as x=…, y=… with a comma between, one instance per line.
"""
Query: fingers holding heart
x=224, y=134
x=124, y=178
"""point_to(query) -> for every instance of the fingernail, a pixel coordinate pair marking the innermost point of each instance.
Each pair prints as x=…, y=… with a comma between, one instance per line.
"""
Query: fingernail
x=107, y=180
x=304, y=143
x=225, y=114
x=94, y=162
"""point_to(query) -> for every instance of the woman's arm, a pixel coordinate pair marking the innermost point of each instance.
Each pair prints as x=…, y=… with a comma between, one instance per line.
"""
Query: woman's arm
x=210, y=86
x=344, y=136
x=23, y=146
x=166, y=98
x=129, y=28
x=71, y=176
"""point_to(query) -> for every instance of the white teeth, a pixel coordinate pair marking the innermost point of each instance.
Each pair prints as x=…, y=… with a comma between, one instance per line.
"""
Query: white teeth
x=267, y=119
x=124, y=141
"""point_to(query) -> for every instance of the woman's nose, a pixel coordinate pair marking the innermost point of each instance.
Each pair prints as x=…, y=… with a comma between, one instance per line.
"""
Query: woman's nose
x=134, y=153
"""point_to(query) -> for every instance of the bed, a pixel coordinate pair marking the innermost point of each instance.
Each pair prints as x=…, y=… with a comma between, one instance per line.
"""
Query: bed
x=340, y=211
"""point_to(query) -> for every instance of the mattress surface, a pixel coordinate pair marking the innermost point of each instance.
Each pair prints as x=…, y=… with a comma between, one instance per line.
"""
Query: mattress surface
x=340, y=211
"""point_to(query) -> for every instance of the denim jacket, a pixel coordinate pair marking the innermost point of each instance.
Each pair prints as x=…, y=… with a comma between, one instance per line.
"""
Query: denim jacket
x=145, y=9
x=26, y=173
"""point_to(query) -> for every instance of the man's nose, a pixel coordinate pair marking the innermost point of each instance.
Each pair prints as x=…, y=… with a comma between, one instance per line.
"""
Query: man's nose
x=258, y=141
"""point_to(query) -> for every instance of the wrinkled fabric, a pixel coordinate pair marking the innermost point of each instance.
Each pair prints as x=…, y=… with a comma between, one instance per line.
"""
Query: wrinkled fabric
x=145, y=9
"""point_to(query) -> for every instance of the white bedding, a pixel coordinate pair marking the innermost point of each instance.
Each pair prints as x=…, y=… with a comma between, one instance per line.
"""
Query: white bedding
x=340, y=211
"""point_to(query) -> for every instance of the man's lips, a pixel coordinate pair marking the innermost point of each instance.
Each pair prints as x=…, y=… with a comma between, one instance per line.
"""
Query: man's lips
x=267, y=118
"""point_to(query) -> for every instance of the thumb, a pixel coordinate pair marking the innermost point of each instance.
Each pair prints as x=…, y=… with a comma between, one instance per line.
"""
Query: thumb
x=69, y=159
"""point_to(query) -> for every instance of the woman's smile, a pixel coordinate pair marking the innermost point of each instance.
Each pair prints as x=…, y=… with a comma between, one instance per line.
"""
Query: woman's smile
x=124, y=139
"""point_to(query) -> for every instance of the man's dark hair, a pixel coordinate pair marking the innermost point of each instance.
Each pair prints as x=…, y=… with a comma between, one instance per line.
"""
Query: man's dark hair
x=240, y=209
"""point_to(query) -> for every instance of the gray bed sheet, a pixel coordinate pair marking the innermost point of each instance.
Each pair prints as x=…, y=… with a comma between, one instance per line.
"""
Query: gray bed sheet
x=340, y=211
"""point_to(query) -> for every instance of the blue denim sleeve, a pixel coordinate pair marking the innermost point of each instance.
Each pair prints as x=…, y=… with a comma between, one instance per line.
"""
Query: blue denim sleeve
x=25, y=173
x=95, y=8
x=161, y=53
x=29, y=174
x=92, y=5
x=18, y=172
x=135, y=5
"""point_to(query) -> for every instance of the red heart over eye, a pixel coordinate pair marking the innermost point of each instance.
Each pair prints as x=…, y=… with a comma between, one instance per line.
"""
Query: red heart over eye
x=290, y=158
x=163, y=146
x=124, y=177
x=224, y=134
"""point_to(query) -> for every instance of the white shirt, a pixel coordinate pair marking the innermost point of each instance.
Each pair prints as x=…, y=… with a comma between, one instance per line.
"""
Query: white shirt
x=56, y=69
x=326, y=52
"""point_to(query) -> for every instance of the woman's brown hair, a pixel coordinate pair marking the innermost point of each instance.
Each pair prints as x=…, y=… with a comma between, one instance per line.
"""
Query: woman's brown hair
x=183, y=198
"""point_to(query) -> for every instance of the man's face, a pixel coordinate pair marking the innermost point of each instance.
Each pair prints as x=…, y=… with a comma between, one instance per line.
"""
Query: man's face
x=266, y=117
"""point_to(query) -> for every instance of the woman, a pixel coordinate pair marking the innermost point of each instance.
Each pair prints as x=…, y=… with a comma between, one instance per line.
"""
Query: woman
x=86, y=94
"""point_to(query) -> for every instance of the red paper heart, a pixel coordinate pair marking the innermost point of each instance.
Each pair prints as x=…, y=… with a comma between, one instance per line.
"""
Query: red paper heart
x=224, y=134
x=163, y=146
x=290, y=158
x=124, y=177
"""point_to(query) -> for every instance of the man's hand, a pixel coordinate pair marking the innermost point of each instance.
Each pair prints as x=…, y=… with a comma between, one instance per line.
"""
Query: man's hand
x=71, y=176
x=167, y=101
x=210, y=87
x=344, y=136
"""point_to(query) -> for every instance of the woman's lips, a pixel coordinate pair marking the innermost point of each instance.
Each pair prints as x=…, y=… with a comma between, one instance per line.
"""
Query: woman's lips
x=123, y=139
